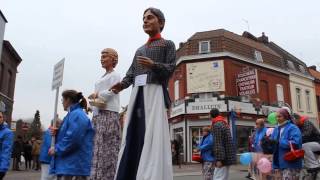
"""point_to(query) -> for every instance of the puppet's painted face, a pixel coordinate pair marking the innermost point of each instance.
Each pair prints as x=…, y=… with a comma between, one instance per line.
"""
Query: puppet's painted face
x=107, y=61
x=151, y=24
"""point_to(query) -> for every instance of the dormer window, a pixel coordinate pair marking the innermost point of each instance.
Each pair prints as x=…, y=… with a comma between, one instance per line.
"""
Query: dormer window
x=204, y=47
x=302, y=69
x=291, y=65
x=258, y=56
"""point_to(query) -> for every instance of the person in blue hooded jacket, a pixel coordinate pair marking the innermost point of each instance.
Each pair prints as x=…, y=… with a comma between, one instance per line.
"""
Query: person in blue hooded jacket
x=6, y=141
x=45, y=158
x=207, y=157
x=72, y=153
x=285, y=133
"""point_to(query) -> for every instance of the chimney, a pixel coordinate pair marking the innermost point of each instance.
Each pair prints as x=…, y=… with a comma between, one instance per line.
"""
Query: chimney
x=313, y=67
x=264, y=38
x=181, y=44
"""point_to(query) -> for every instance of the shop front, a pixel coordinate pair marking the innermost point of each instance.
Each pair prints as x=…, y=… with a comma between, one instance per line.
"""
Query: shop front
x=188, y=118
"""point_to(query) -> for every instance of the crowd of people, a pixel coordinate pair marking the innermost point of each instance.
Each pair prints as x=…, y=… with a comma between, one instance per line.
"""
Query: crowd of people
x=27, y=152
x=292, y=133
x=17, y=151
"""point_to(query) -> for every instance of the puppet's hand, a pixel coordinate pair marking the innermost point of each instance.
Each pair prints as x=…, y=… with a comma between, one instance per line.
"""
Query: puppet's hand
x=145, y=61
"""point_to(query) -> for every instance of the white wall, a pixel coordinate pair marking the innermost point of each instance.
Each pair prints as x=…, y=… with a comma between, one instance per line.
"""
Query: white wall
x=304, y=84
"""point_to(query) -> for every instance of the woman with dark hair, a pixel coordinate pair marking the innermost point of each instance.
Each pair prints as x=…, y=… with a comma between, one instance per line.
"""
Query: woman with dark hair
x=74, y=140
x=145, y=149
x=106, y=120
x=286, y=133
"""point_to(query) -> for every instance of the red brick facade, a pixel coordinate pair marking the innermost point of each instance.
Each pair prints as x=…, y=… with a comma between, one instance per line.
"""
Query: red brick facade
x=268, y=93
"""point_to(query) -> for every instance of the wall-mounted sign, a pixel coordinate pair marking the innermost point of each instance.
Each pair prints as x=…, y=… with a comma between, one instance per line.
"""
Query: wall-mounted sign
x=205, y=107
x=177, y=110
x=205, y=77
x=243, y=107
x=247, y=82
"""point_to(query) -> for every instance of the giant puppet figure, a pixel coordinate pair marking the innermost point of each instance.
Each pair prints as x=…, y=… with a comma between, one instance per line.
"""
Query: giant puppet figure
x=145, y=149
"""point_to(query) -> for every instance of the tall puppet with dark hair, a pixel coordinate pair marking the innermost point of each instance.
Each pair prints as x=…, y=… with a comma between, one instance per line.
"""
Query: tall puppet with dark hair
x=145, y=149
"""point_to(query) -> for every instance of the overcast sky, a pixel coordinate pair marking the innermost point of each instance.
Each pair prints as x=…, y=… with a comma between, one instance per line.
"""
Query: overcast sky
x=43, y=32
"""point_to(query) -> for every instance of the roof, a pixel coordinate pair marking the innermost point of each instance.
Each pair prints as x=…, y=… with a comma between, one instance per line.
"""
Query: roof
x=314, y=73
x=7, y=44
x=4, y=18
x=286, y=55
x=230, y=35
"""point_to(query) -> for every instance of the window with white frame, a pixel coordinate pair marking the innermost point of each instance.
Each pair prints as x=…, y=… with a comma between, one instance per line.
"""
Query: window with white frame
x=308, y=101
x=291, y=65
x=280, y=95
x=176, y=90
x=258, y=56
x=298, y=99
x=204, y=47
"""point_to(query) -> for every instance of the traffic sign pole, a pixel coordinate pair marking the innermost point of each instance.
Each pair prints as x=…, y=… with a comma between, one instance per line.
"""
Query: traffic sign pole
x=56, y=83
x=55, y=115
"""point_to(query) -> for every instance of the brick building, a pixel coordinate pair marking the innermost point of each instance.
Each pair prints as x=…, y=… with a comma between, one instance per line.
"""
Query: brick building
x=9, y=61
x=316, y=74
x=228, y=71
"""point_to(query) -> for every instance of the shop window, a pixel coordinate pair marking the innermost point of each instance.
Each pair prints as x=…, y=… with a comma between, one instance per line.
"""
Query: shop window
x=204, y=47
x=298, y=99
x=195, y=139
x=176, y=90
x=243, y=133
x=178, y=145
x=308, y=101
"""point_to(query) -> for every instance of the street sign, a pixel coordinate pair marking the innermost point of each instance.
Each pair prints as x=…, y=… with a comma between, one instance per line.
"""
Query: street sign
x=56, y=83
x=58, y=74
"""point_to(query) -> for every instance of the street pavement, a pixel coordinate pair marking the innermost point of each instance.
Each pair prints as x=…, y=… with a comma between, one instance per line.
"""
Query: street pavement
x=186, y=172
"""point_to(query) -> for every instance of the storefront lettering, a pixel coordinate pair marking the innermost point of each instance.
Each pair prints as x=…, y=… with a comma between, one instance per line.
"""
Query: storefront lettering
x=206, y=107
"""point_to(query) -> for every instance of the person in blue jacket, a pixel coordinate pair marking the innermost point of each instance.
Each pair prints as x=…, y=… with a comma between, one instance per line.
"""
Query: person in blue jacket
x=259, y=134
x=205, y=147
x=6, y=141
x=285, y=133
x=45, y=158
x=74, y=140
